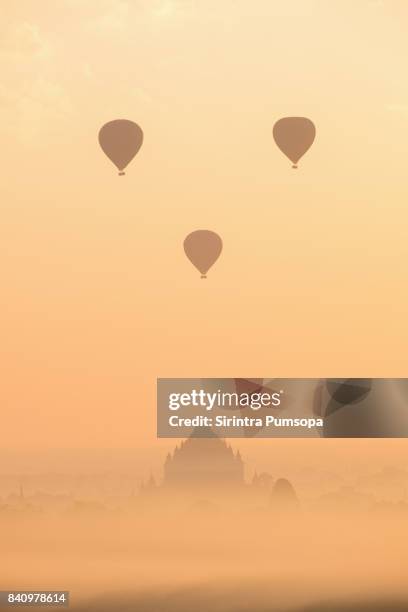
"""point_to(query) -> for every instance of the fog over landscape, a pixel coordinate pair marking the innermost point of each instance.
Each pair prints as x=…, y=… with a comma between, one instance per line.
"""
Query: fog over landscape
x=173, y=539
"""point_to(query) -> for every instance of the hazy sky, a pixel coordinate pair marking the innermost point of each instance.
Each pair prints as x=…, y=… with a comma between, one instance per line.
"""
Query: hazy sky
x=97, y=296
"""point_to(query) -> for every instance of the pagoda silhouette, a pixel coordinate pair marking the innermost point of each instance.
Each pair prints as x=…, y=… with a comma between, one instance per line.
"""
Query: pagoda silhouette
x=203, y=462
x=205, y=470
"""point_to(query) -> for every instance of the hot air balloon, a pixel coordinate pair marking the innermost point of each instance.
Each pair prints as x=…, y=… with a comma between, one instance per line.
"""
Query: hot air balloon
x=120, y=140
x=203, y=248
x=294, y=136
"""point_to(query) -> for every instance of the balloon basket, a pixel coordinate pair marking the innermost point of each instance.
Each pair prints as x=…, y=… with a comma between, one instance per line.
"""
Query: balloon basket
x=203, y=276
x=121, y=174
x=294, y=166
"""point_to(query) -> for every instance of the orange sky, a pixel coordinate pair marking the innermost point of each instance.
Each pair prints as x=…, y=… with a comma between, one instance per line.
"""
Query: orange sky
x=98, y=298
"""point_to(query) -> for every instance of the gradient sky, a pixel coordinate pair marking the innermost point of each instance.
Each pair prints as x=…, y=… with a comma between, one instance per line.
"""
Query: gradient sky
x=97, y=296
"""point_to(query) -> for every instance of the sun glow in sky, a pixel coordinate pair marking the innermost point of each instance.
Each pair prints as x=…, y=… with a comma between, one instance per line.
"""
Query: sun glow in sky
x=98, y=298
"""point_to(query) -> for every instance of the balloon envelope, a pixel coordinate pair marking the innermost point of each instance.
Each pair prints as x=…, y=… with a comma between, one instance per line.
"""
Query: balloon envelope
x=120, y=140
x=294, y=136
x=248, y=385
x=203, y=248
